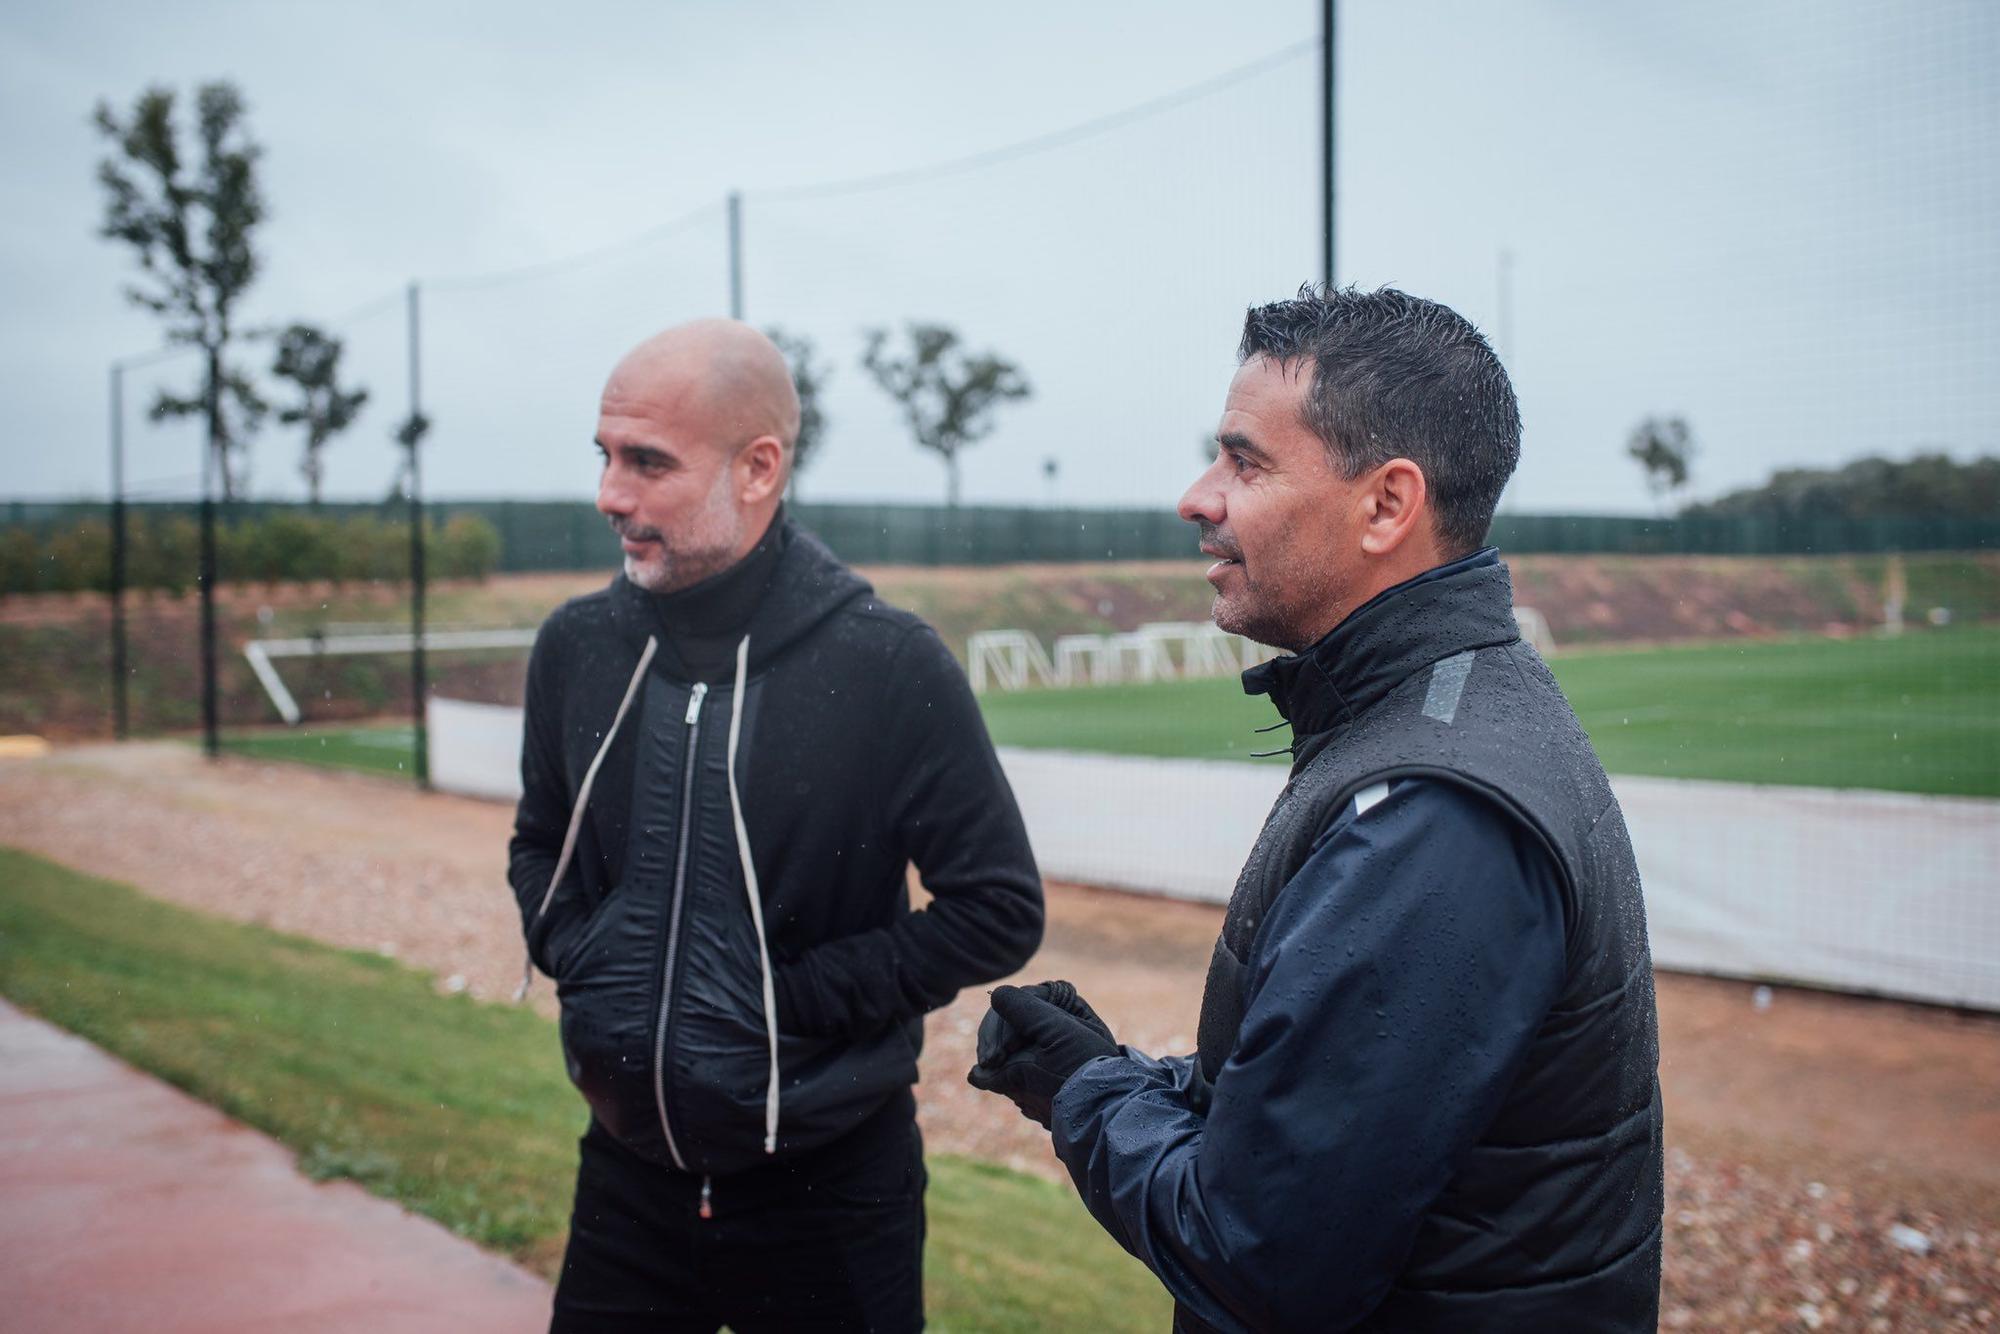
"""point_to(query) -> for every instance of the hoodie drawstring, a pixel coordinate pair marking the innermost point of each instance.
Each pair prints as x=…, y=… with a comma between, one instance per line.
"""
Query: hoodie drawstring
x=742, y=849
x=582, y=800
x=756, y=899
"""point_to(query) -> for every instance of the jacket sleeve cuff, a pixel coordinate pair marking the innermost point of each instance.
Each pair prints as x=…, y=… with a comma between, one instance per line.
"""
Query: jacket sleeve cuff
x=1086, y=1098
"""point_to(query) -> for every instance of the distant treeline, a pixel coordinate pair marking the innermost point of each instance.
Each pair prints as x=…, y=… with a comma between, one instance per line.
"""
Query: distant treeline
x=1929, y=486
x=65, y=546
x=272, y=546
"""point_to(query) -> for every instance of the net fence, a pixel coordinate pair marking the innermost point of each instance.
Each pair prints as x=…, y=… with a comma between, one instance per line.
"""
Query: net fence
x=1775, y=223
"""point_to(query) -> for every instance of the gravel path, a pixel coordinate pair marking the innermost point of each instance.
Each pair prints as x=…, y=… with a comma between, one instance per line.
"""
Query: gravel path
x=1834, y=1162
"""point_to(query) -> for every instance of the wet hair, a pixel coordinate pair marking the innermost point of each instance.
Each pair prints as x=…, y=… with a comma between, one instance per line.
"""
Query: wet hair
x=1396, y=376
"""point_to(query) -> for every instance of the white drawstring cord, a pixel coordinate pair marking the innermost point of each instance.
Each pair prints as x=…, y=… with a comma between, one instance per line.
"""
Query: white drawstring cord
x=583, y=799
x=756, y=899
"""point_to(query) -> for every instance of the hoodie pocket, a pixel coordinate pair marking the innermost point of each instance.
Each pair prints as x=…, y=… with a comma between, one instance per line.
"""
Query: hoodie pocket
x=605, y=987
x=570, y=941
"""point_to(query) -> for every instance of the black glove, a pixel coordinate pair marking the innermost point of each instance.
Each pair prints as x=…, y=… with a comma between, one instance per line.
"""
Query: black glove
x=1043, y=1035
x=997, y=1039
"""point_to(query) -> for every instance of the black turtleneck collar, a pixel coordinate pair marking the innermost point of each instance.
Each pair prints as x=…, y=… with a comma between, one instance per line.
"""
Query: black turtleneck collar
x=701, y=623
x=1468, y=603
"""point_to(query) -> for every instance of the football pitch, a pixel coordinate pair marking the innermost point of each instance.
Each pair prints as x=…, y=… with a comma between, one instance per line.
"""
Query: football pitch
x=381, y=749
x=1919, y=713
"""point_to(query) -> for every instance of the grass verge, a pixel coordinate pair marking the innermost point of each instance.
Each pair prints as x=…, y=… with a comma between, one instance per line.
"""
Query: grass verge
x=455, y=1108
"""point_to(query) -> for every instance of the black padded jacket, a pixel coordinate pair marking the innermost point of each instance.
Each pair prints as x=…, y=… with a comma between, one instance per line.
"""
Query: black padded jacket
x=846, y=748
x=1425, y=1096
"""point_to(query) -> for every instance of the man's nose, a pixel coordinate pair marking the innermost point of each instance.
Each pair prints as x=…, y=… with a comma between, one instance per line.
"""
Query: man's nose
x=1202, y=502
x=614, y=498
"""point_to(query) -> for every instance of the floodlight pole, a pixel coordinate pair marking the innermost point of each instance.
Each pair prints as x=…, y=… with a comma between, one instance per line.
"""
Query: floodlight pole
x=1327, y=29
x=735, y=254
x=419, y=677
x=211, y=732
x=121, y=722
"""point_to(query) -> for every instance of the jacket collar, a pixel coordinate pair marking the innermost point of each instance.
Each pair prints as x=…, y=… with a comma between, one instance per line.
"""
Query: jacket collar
x=1467, y=604
x=808, y=585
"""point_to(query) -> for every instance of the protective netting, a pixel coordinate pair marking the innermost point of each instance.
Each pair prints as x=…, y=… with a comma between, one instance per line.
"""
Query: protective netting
x=1777, y=223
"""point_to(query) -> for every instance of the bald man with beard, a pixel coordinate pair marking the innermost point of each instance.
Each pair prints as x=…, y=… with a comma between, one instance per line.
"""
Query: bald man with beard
x=732, y=755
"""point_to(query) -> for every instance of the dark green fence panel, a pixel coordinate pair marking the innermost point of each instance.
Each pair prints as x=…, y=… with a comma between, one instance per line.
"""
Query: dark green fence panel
x=571, y=535
x=983, y=535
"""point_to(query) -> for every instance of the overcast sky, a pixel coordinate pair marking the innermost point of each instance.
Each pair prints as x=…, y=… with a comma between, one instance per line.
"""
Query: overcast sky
x=1781, y=220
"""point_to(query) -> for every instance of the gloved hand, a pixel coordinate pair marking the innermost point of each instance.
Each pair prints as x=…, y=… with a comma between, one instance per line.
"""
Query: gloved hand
x=1033, y=1040
x=998, y=1039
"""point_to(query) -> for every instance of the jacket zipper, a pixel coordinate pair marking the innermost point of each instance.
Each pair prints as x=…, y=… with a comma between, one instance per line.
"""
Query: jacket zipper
x=693, y=722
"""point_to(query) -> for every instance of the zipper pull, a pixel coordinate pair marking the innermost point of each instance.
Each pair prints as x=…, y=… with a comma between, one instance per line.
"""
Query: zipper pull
x=707, y=1210
x=694, y=702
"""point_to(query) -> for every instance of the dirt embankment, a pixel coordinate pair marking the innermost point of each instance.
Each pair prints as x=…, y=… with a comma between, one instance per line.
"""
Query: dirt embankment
x=55, y=649
x=1833, y=1162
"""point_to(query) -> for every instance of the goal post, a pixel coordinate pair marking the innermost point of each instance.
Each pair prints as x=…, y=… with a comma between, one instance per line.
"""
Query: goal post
x=264, y=654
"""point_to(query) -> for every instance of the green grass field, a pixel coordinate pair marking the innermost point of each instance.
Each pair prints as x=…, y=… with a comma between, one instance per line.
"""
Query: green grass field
x=1920, y=713
x=456, y=1108
x=379, y=749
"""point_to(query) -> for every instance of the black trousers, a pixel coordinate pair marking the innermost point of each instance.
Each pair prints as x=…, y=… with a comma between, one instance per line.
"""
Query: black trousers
x=832, y=1239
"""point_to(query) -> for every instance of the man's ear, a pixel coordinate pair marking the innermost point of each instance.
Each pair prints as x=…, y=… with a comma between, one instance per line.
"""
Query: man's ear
x=1395, y=506
x=762, y=465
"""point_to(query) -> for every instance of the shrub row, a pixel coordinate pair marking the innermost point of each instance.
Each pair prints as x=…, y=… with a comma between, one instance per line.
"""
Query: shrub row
x=164, y=552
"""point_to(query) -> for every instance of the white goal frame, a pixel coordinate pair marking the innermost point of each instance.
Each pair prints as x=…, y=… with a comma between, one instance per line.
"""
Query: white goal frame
x=264, y=653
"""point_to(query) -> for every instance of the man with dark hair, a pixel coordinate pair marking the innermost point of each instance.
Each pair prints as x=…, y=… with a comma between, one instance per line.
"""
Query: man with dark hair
x=732, y=756
x=1425, y=1095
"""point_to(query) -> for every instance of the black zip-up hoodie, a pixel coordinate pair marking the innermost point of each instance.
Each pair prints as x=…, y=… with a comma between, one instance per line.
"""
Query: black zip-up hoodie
x=858, y=750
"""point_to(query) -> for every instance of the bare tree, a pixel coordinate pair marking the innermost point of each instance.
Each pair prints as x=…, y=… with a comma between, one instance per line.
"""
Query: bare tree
x=310, y=360
x=809, y=375
x=191, y=227
x=948, y=395
x=1664, y=447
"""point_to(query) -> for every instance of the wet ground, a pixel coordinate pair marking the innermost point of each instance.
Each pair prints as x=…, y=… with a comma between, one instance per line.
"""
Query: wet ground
x=1834, y=1160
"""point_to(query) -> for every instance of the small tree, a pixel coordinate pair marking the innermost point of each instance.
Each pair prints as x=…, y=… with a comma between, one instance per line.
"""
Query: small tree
x=409, y=433
x=809, y=375
x=191, y=228
x=947, y=394
x=1665, y=449
x=311, y=362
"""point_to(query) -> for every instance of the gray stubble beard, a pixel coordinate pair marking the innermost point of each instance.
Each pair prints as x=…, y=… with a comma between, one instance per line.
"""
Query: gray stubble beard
x=1269, y=628
x=672, y=571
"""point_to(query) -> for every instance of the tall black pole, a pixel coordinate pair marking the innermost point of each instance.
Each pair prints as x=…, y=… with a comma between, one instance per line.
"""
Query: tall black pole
x=211, y=734
x=121, y=722
x=735, y=254
x=419, y=677
x=1326, y=132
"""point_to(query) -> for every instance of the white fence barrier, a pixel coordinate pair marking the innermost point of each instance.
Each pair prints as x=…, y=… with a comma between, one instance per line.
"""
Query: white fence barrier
x=475, y=749
x=1864, y=891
